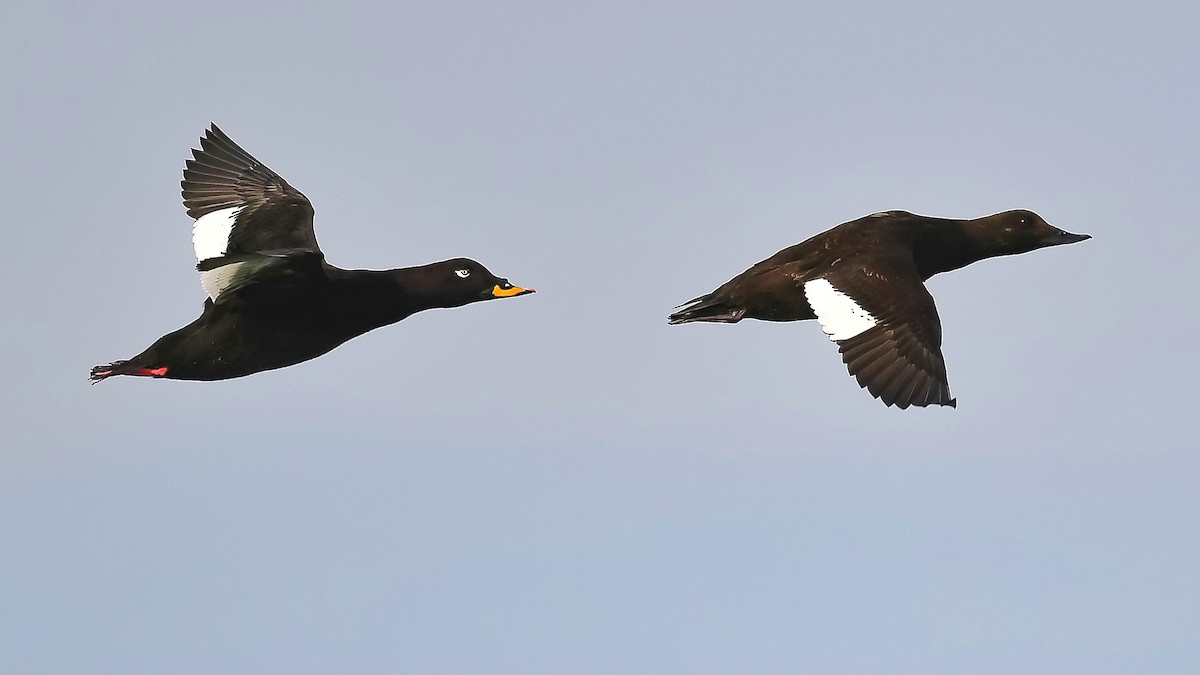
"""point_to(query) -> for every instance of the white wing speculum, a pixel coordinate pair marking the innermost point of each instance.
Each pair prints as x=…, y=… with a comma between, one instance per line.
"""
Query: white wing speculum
x=217, y=280
x=210, y=233
x=230, y=277
x=839, y=315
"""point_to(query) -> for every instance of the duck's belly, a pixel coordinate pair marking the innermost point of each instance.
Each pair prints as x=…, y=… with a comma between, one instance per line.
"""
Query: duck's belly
x=227, y=345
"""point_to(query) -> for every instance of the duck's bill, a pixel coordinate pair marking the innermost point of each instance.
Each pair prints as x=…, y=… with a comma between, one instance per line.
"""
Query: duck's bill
x=1063, y=237
x=499, y=291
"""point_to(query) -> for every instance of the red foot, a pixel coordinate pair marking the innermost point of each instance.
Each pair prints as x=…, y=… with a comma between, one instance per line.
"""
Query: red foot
x=115, y=369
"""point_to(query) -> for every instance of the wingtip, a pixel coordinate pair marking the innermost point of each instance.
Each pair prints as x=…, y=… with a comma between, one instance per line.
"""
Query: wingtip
x=905, y=404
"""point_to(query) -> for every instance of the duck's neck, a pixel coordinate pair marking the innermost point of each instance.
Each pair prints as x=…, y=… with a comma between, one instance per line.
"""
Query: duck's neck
x=942, y=245
x=381, y=297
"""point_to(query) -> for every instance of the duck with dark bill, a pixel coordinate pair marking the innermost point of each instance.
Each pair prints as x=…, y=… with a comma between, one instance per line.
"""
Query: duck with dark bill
x=864, y=282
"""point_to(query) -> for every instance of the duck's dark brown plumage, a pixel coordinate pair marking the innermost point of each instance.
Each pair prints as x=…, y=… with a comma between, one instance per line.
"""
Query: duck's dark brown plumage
x=273, y=300
x=864, y=282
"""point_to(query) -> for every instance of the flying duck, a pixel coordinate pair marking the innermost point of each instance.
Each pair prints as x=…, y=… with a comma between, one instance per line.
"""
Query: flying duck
x=273, y=301
x=863, y=281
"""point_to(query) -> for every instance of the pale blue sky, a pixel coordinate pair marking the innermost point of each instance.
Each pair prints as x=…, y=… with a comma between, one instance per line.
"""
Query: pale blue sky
x=563, y=482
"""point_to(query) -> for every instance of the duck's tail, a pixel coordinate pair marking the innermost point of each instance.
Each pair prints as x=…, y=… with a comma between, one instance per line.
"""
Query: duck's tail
x=706, y=308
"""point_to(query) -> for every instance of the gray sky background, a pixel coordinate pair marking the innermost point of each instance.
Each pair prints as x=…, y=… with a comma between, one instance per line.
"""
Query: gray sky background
x=562, y=482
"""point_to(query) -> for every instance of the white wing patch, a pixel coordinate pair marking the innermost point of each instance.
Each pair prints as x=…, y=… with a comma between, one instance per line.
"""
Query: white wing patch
x=210, y=234
x=228, y=278
x=839, y=315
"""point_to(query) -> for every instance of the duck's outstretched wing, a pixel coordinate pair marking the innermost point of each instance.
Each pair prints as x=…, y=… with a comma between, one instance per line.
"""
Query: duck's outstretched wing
x=887, y=329
x=246, y=216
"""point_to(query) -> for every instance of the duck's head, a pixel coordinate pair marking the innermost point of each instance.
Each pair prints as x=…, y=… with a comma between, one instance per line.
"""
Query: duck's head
x=1020, y=231
x=461, y=281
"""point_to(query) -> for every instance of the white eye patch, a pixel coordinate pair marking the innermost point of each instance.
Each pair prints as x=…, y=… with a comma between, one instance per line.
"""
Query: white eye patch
x=463, y=273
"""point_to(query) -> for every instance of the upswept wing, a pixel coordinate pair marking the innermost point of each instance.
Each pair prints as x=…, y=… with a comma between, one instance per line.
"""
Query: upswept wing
x=246, y=217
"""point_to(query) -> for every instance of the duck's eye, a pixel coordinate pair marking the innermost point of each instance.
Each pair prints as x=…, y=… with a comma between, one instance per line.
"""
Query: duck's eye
x=463, y=273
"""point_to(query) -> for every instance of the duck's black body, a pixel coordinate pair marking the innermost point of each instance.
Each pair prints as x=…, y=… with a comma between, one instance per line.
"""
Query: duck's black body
x=273, y=300
x=863, y=281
